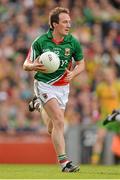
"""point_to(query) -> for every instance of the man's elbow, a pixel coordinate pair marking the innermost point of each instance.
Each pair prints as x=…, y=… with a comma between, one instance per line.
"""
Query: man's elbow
x=24, y=67
x=28, y=66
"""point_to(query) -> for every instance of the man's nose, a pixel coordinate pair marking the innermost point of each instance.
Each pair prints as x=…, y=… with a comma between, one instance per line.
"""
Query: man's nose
x=69, y=25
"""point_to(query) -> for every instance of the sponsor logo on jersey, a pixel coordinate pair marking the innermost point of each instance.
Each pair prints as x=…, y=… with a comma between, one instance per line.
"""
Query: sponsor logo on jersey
x=67, y=51
x=45, y=50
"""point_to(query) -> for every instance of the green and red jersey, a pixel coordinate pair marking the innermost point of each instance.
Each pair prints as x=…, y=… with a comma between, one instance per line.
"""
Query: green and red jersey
x=66, y=50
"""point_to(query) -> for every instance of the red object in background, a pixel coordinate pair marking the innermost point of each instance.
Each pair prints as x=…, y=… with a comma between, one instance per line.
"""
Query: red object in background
x=116, y=145
x=27, y=149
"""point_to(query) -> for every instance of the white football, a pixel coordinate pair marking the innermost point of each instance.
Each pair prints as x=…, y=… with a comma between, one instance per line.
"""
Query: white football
x=50, y=60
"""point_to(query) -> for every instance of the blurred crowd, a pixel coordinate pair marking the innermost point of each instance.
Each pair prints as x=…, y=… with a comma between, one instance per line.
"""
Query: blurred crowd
x=93, y=95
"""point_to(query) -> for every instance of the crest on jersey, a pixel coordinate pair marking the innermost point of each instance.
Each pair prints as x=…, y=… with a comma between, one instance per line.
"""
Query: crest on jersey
x=67, y=51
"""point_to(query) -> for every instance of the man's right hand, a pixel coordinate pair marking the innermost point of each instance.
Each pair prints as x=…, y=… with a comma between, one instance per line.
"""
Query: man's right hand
x=34, y=66
x=37, y=66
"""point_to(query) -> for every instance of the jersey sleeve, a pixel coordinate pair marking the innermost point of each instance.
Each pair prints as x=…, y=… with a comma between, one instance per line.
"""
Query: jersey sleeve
x=35, y=51
x=78, y=52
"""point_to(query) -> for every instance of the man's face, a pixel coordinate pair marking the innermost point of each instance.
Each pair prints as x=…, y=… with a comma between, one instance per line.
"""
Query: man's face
x=64, y=24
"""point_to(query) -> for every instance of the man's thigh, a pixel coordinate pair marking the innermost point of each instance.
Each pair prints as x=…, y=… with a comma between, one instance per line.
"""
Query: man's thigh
x=45, y=117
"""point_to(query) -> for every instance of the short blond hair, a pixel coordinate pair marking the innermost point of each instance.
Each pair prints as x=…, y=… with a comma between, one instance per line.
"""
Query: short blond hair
x=54, y=15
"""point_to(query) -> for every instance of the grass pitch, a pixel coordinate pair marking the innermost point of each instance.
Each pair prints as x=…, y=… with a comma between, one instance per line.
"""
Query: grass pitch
x=10, y=171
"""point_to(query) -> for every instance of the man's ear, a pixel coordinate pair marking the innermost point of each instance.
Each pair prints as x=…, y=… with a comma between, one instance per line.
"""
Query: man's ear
x=54, y=24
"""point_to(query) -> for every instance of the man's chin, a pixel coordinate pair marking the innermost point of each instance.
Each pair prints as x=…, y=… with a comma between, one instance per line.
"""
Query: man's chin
x=66, y=33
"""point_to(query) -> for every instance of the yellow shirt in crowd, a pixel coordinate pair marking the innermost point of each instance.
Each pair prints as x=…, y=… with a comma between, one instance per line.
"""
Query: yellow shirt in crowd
x=108, y=97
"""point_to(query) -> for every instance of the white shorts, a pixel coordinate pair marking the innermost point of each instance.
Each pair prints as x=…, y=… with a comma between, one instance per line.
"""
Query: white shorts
x=45, y=92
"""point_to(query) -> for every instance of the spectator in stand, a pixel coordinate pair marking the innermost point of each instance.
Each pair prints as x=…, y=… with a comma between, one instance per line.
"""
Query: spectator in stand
x=108, y=95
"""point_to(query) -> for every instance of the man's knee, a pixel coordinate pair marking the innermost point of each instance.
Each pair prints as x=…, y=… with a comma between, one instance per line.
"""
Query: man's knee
x=59, y=124
x=58, y=121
